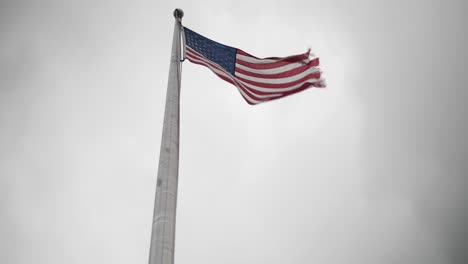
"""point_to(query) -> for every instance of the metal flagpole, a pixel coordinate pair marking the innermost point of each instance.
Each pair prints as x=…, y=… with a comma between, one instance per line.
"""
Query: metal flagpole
x=164, y=217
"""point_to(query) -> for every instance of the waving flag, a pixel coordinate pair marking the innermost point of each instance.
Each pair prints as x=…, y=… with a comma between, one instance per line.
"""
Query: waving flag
x=258, y=80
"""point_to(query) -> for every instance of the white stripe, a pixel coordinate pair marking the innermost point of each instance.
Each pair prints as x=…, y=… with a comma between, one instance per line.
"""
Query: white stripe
x=266, y=61
x=254, y=60
x=238, y=83
x=281, y=90
x=279, y=80
x=273, y=91
x=276, y=70
x=226, y=74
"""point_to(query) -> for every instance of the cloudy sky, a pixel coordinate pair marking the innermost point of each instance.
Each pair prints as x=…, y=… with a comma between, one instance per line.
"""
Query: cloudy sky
x=372, y=169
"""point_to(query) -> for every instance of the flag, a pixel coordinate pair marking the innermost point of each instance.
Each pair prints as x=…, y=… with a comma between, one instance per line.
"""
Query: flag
x=258, y=80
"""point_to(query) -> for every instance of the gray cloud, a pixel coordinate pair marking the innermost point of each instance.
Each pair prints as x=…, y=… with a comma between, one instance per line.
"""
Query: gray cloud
x=369, y=170
x=415, y=117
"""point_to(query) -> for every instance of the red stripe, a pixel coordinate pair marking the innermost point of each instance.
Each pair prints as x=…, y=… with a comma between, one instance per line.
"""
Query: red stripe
x=249, y=91
x=192, y=55
x=280, y=61
x=319, y=84
x=302, y=56
x=315, y=75
x=226, y=79
x=267, y=65
x=284, y=74
x=245, y=89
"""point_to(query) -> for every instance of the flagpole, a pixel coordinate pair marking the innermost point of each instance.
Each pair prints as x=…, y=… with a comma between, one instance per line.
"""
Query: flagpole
x=164, y=216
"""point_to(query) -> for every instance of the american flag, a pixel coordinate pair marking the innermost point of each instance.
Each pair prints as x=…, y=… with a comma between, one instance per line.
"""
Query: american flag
x=258, y=80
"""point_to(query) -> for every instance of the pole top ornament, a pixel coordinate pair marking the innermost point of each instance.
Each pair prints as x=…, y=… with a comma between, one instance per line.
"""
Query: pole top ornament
x=178, y=13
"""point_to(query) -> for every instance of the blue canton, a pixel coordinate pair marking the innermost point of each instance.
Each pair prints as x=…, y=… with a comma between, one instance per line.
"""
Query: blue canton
x=220, y=54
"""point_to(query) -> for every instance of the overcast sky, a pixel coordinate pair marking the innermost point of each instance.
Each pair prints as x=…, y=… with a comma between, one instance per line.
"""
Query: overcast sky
x=372, y=169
